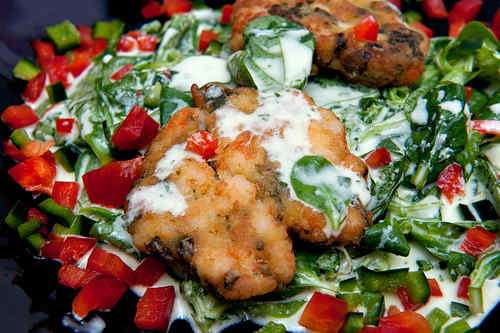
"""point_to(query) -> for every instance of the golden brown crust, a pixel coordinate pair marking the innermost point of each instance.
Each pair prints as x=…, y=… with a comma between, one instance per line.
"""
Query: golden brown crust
x=396, y=58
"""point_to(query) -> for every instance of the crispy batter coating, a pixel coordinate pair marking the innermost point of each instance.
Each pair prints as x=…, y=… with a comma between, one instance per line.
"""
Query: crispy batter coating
x=234, y=231
x=396, y=58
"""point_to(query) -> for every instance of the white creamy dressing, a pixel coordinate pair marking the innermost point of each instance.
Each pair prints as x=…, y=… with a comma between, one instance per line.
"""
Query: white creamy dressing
x=172, y=158
x=333, y=95
x=495, y=108
x=492, y=152
x=454, y=106
x=294, y=53
x=420, y=115
x=199, y=70
x=134, y=53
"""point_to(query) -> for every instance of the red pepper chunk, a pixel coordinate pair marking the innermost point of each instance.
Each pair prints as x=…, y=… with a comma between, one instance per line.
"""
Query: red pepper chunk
x=86, y=39
x=378, y=158
x=19, y=116
x=148, y=272
x=463, y=288
x=477, y=240
x=154, y=309
x=74, y=277
x=151, y=10
x=206, y=37
x=127, y=44
x=465, y=10
x=52, y=248
x=455, y=27
x=172, y=7
x=324, y=313
x=120, y=74
x=136, y=131
x=491, y=127
x=202, y=143
x=109, y=185
x=35, y=214
x=58, y=70
x=226, y=12
x=66, y=193
x=34, y=88
x=44, y=52
x=434, y=287
x=366, y=30
x=451, y=182
x=75, y=247
x=36, y=174
x=79, y=60
x=11, y=150
x=495, y=24
x=434, y=9
x=98, y=46
x=64, y=125
x=36, y=148
x=405, y=300
x=101, y=293
x=147, y=43
x=423, y=28
x=110, y=264
x=405, y=322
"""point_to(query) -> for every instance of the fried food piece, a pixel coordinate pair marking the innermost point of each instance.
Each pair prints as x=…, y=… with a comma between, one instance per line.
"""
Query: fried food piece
x=396, y=58
x=227, y=235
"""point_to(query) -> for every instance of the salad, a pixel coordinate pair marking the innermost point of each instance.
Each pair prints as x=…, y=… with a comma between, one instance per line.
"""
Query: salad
x=232, y=164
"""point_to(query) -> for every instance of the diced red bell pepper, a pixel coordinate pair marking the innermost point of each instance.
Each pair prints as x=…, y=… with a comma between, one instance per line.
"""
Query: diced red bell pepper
x=206, y=37
x=118, y=175
x=19, y=116
x=378, y=158
x=134, y=34
x=366, y=30
x=99, y=46
x=35, y=174
x=405, y=322
x=477, y=240
x=370, y=329
x=495, y=24
x=463, y=288
x=396, y=3
x=148, y=272
x=120, y=74
x=468, y=93
x=434, y=287
x=152, y=10
x=11, y=150
x=136, y=131
x=75, y=247
x=79, y=60
x=423, y=28
x=34, y=88
x=226, y=13
x=102, y=293
x=66, y=193
x=202, y=143
x=451, y=182
x=58, y=70
x=154, y=309
x=86, y=39
x=172, y=7
x=455, y=27
x=110, y=264
x=434, y=9
x=36, y=148
x=465, y=10
x=74, y=277
x=52, y=248
x=491, y=127
x=147, y=43
x=44, y=52
x=35, y=214
x=405, y=300
x=64, y=125
x=324, y=313
x=127, y=44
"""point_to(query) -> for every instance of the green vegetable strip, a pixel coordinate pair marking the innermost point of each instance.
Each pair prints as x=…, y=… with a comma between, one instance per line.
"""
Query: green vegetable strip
x=272, y=327
x=49, y=206
x=437, y=318
x=487, y=267
x=36, y=241
x=16, y=215
x=19, y=137
x=459, y=326
x=65, y=35
x=354, y=323
x=25, y=70
x=28, y=228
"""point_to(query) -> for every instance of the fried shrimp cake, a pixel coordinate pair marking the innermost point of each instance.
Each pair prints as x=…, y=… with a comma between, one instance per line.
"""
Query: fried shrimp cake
x=264, y=147
x=395, y=58
x=212, y=225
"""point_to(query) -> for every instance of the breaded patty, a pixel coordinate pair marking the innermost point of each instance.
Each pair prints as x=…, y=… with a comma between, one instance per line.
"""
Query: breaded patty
x=233, y=229
x=396, y=58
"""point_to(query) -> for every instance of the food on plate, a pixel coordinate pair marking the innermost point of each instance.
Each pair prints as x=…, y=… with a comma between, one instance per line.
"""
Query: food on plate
x=307, y=165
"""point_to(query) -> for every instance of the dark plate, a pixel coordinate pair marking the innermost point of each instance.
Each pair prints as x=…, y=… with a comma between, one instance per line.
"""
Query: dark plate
x=31, y=300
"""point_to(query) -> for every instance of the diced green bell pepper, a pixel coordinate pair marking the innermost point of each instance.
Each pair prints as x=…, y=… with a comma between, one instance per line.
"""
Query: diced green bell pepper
x=272, y=327
x=25, y=70
x=56, y=93
x=65, y=35
x=28, y=228
x=437, y=318
x=49, y=206
x=111, y=31
x=19, y=137
x=348, y=285
x=459, y=326
x=354, y=323
x=36, y=241
x=459, y=310
x=16, y=215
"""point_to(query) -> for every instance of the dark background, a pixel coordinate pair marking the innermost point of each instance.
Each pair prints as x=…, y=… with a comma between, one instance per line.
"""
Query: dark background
x=31, y=300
